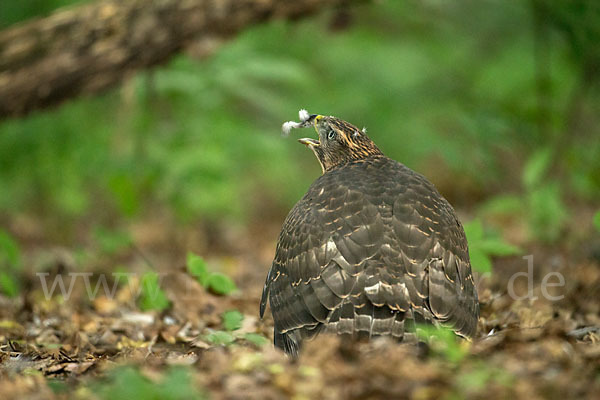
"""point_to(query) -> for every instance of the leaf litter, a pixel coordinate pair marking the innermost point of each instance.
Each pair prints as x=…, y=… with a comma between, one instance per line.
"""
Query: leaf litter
x=211, y=345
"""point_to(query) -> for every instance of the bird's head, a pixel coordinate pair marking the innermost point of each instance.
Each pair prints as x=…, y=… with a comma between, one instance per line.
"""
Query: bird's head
x=339, y=142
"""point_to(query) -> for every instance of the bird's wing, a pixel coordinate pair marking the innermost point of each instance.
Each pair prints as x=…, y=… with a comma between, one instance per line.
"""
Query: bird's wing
x=348, y=249
x=324, y=243
x=430, y=245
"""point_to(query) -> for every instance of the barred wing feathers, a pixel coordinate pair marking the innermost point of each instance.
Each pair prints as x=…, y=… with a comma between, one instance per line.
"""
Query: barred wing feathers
x=370, y=247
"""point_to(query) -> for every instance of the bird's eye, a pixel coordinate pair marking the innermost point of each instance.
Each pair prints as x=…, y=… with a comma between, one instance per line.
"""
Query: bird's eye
x=331, y=135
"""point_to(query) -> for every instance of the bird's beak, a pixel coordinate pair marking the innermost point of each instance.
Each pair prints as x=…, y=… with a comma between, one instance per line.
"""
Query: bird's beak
x=309, y=142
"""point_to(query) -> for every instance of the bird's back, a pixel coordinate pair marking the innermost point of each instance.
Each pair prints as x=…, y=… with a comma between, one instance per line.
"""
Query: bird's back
x=371, y=247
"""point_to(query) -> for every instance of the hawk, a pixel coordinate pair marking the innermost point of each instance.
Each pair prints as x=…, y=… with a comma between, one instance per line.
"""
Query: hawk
x=370, y=249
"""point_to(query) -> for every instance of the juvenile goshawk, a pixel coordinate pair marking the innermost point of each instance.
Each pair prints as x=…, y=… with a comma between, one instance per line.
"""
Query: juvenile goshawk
x=371, y=248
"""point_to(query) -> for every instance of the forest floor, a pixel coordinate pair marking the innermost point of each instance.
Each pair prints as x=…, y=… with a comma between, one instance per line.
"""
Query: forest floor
x=105, y=346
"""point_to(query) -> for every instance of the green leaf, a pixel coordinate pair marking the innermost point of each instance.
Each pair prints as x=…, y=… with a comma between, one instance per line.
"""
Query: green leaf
x=9, y=251
x=480, y=261
x=256, y=339
x=110, y=241
x=503, y=205
x=221, y=284
x=597, y=220
x=220, y=338
x=477, y=379
x=178, y=385
x=152, y=296
x=483, y=245
x=126, y=193
x=216, y=282
x=443, y=341
x=197, y=267
x=547, y=212
x=495, y=246
x=232, y=320
x=536, y=167
x=474, y=230
x=127, y=382
x=57, y=386
x=8, y=284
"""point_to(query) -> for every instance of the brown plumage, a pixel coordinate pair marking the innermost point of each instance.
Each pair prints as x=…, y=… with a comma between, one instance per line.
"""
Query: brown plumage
x=370, y=249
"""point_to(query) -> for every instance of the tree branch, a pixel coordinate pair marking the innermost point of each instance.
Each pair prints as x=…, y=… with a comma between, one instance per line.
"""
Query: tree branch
x=92, y=47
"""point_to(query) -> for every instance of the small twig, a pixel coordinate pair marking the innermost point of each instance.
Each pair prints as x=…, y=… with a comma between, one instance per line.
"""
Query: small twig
x=581, y=332
x=150, y=345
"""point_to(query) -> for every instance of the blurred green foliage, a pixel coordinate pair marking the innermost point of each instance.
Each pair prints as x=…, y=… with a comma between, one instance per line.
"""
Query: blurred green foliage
x=152, y=297
x=483, y=245
x=216, y=282
x=443, y=342
x=227, y=338
x=12, y=11
x=110, y=241
x=478, y=379
x=220, y=284
x=129, y=383
x=232, y=320
x=492, y=101
x=220, y=338
x=256, y=339
x=10, y=264
x=540, y=202
x=197, y=267
x=544, y=207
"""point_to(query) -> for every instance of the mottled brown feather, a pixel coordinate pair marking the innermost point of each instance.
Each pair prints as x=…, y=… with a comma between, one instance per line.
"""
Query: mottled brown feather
x=372, y=244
